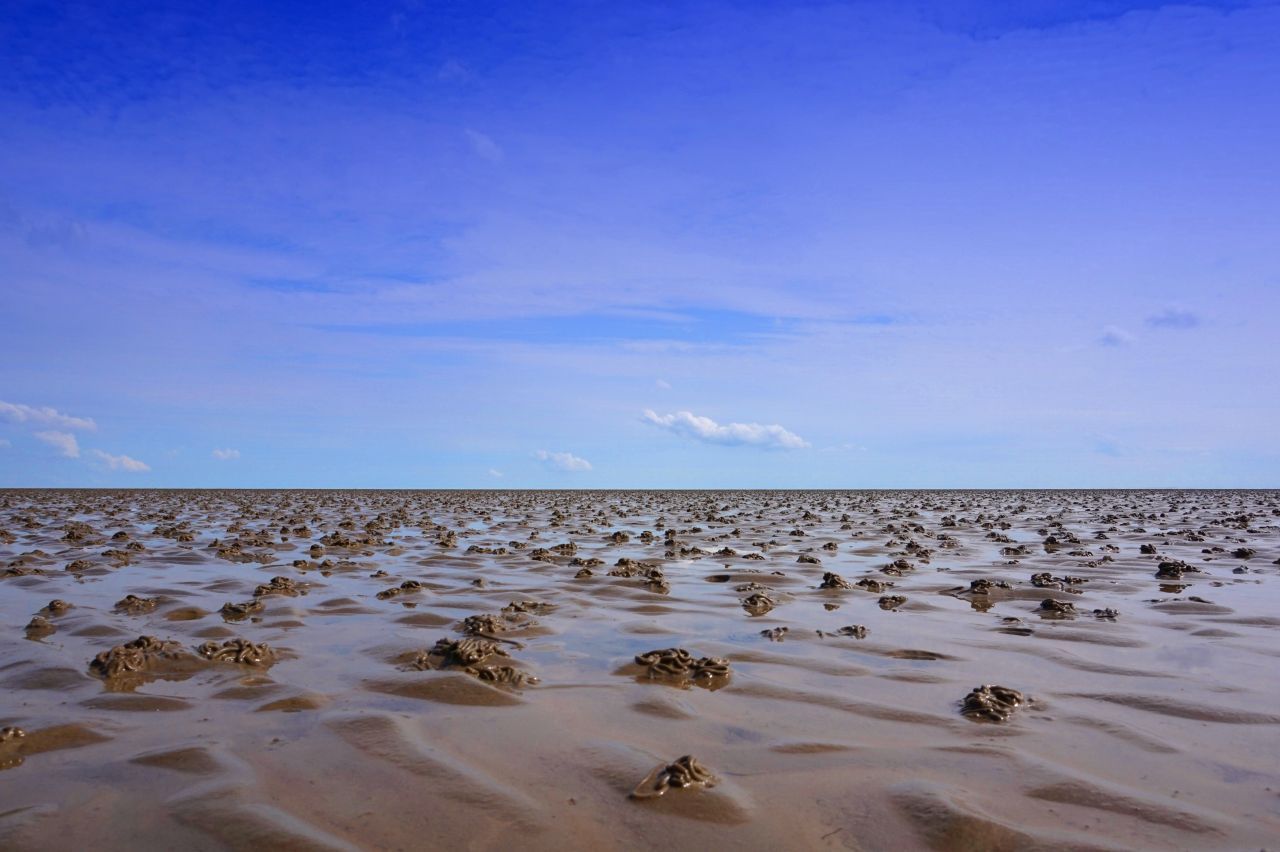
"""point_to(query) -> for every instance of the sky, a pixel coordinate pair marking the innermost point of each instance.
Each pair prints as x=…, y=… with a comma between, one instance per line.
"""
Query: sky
x=591, y=245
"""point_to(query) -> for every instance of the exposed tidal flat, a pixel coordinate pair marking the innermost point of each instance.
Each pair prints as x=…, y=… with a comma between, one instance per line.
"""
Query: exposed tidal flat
x=640, y=669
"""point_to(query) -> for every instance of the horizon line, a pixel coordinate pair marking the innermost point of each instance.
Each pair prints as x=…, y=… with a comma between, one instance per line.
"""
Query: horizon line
x=634, y=488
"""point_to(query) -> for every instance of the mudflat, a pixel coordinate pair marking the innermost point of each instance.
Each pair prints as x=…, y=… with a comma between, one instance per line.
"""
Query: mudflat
x=640, y=669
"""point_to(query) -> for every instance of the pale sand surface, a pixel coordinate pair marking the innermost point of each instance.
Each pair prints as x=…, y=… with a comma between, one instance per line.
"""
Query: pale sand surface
x=1158, y=729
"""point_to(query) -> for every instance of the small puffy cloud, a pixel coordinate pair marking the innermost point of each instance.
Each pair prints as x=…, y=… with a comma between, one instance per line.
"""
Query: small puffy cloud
x=63, y=442
x=563, y=461
x=691, y=425
x=16, y=412
x=495, y=473
x=1173, y=318
x=663, y=384
x=121, y=462
x=1115, y=336
x=484, y=146
x=226, y=455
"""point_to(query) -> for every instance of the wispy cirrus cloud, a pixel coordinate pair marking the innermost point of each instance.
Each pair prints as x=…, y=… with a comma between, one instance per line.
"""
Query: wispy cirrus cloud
x=1115, y=336
x=690, y=425
x=226, y=454
x=16, y=412
x=563, y=461
x=121, y=462
x=1174, y=318
x=484, y=146
x=64, y=442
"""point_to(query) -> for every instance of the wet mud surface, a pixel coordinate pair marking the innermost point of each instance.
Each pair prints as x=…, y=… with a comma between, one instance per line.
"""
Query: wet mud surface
x=619, y=670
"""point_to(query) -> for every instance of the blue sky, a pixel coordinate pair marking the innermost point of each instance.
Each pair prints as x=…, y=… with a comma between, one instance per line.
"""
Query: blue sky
x=880, y=244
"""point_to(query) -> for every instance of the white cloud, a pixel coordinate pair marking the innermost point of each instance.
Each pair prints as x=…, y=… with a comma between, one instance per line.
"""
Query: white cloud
x=226, y=455
x=1115, y=336
x=496, y=474
x=563, y=461
x=663, y=384
x=16, y=412
x=691, y=425
x=121, y=462
x=64, y=442
x=1174, y=318
x=484, y=146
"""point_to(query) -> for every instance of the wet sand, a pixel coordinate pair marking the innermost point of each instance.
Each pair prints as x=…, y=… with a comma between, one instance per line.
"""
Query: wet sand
x=617, y=670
